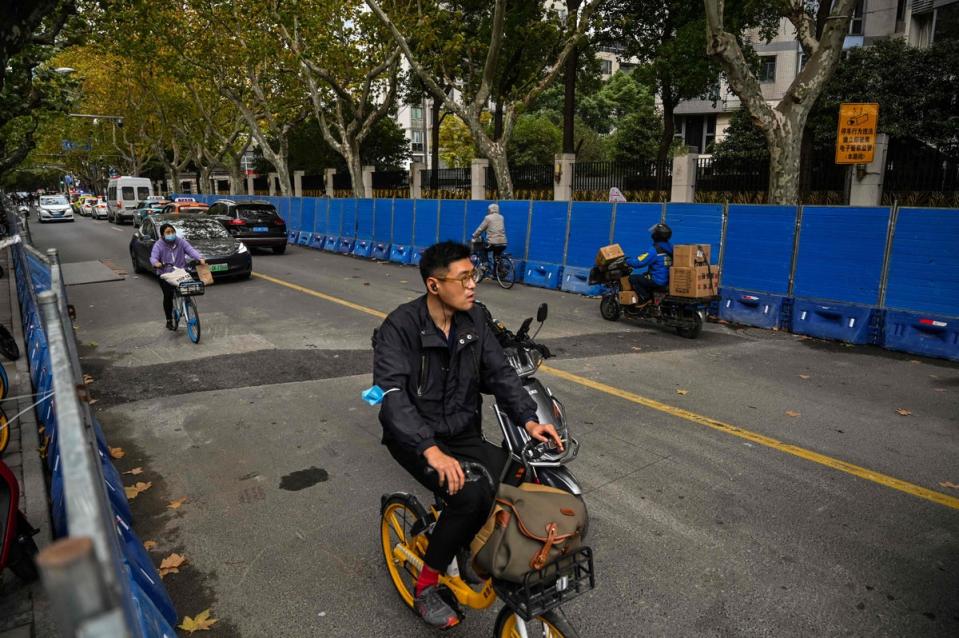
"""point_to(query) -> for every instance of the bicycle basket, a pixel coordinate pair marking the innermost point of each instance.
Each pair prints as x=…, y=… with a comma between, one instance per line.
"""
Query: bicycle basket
x=555, y=584
x=192, y=288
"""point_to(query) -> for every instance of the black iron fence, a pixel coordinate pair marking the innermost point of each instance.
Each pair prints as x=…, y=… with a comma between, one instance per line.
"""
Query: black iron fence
x=638, y=181
x=918, y=175
x=446, y=183
x=529, y=182
x=739, y=180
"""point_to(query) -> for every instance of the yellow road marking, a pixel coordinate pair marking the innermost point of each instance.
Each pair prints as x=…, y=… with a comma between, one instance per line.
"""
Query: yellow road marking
x=321, y=295
x=721, y=426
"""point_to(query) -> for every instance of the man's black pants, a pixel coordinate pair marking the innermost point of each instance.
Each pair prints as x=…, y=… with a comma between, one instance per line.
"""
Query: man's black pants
x=644, y=286
x=467, y=510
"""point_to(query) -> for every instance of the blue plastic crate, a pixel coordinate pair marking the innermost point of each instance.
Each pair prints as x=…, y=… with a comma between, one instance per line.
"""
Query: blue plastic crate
x=851, y=323
x=363, y=248
x=577, y=280
x=381, y=251
x=542, y=275
x=924, y=334
x=760, y=309
x=400, y=254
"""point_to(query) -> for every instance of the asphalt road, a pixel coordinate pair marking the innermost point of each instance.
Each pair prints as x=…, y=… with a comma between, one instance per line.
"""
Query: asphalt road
x=714, y=513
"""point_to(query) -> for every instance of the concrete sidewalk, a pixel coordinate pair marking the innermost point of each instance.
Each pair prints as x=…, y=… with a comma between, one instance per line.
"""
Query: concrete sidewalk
x=24, y=609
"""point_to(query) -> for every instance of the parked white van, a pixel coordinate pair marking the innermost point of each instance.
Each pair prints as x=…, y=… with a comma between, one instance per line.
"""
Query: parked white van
x=123, y=194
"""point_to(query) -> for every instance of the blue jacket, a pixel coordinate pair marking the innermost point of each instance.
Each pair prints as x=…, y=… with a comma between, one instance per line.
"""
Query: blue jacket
x=657, y=261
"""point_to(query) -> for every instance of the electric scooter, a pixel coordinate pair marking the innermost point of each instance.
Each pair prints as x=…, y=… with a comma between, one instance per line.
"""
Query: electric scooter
x=17, y=548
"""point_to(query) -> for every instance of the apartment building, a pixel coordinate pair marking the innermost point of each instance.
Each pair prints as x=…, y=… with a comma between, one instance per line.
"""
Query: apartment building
x=701, y=123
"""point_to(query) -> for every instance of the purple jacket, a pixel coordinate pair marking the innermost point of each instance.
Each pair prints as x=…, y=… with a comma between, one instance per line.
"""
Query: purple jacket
x=172, y=253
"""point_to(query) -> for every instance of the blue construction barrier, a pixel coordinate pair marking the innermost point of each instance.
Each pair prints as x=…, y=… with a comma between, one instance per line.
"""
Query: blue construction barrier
x=363, y=248
x=452, y=222
x=381, y=251
x=330, y=243
x=755, y=275
x=383, y=221
x=632, y=224
x=144, y=596
x=924, y=334
x=548, y=230
x=838, y=276
x=425, y=223
x=589, y=228
x=697, y=224
x=364, y=219
x=401, y=254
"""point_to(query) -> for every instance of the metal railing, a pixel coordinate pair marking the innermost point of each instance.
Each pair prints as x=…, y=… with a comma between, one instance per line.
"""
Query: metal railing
x=85, y=574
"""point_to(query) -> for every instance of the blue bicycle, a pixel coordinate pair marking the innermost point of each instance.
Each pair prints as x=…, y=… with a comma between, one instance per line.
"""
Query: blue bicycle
x=184, y=307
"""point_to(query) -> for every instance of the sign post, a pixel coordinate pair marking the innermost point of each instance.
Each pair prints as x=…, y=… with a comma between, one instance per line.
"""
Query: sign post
x=856, y=133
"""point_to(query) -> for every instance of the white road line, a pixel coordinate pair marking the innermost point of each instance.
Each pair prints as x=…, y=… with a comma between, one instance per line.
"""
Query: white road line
x=119, y=230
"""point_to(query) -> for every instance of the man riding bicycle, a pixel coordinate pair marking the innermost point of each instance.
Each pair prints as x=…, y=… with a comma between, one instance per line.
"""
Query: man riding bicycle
x=432, y=358
x=495, y=228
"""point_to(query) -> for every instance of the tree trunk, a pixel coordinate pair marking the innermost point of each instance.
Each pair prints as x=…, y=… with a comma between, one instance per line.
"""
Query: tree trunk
x=666, y=141
x=785, y=151
x=498, y=121
x=569, y=94
x=354, y=164
x=236, y=174
x=437, y=110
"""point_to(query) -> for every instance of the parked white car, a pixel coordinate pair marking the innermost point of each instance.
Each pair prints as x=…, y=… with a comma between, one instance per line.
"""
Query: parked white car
x=54, y=208
x=100, y=209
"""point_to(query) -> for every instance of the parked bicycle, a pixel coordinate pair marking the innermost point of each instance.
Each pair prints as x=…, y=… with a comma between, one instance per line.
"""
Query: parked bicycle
x=489, y=264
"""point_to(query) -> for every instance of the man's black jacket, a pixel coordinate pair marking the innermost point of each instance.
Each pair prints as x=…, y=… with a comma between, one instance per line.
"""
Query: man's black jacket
x=433, y=388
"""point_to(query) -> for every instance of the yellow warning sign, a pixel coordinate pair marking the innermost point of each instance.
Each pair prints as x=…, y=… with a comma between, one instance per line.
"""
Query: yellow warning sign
x=856, y=136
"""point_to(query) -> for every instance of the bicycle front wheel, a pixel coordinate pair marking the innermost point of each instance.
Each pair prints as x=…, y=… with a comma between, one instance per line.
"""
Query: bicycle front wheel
x=4, y=383
x=8, y=345
x=396, y=522
x=505, y=272
x=4, y=431
x=192, y=319
x=552, y=624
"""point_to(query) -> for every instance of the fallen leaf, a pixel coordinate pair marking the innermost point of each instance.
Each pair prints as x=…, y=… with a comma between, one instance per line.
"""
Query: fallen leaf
x=682, y=392
x=804, y=376
x=915, y=361
x=201, y=622
x=134, y=471
x=117, y=452
x=92, y=401
x=636, y=348
x=940, y=390
x=175, y=505
x=149, y=545
x=793, y=413
x=87, y=379
x=403, y=281
x=132, y=491
x=950, y=485
x=903, y=412
x=171, y=564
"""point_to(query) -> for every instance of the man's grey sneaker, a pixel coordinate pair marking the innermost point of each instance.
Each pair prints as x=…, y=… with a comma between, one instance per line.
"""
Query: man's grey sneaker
x=434, y=610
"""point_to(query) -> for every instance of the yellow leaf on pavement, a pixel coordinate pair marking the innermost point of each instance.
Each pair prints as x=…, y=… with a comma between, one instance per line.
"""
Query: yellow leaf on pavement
x=175, y=505
x=171, y=564
x=903, y=412
x=149, y=545
x=87, y=379
x=793, y=413
x=201, y=622
x=117, y=452
x=132, y=491
x=135, y=471
x=682, y=392
x=950, y=485
x=804, y=376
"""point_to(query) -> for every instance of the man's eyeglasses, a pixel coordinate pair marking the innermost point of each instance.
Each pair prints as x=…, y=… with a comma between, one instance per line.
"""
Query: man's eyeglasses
x=464, y=279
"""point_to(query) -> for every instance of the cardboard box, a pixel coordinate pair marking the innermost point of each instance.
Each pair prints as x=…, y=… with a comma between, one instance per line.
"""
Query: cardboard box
x=628, y=298
x=624, y=283
x=608, y=254
x=690, y=255
x=701, y=281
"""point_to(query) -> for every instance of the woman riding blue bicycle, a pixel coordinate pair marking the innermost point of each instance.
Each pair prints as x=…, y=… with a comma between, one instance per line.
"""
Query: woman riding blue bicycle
x=169, y=253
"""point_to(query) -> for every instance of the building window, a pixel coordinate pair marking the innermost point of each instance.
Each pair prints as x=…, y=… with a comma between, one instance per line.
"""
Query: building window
x=416, y=112
x=901, y=10
x=767, y=68
x=947, y=24
x=417, y=141
x=709, y=136
x=855, y=25
x=803, y=58
x=606, y=67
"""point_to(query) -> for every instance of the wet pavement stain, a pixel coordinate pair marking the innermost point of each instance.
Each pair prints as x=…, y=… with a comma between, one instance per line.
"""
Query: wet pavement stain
x=302, y=479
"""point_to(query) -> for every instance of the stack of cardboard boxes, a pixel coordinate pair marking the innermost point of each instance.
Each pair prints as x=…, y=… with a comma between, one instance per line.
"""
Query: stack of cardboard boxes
x=691, y=274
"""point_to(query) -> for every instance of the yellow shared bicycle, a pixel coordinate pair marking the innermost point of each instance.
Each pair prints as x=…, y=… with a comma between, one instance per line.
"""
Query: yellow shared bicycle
x=531, y=608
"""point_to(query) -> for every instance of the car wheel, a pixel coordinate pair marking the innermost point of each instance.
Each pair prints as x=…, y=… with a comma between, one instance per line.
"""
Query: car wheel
x=136, y=264
x=279, y=250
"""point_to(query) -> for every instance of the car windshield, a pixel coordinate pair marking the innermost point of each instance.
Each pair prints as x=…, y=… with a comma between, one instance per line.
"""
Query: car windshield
x=199, y=228
x=193, y=210
x=58, y=200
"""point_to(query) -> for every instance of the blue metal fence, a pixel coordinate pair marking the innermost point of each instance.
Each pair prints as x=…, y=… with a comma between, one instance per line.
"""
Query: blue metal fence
x=862, y=275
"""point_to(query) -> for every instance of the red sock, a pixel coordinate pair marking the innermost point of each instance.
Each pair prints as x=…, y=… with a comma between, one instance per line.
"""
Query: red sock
x=428, y=577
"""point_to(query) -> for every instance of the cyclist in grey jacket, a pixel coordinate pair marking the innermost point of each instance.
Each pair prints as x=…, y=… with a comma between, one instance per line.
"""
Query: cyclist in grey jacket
x=495, y=228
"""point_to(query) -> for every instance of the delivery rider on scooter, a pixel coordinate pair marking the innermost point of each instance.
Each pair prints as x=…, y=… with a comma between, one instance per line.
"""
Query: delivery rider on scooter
x=657, y=262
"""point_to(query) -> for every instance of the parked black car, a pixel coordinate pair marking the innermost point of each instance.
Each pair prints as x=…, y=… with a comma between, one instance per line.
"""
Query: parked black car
x=256, y=224
x=226, y=256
